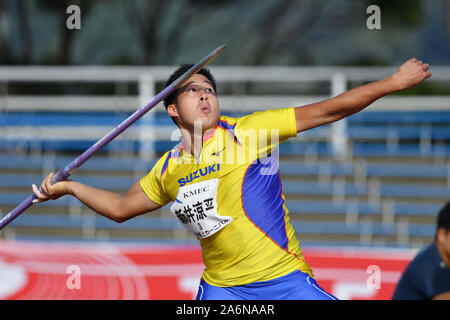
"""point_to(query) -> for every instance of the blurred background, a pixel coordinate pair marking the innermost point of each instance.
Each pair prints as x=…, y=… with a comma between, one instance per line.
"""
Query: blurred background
x=364, y=191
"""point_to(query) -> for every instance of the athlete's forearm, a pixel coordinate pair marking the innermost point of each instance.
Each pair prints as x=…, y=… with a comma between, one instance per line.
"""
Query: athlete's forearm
x=410, y=74
x=343, y=105
x=108, y=204
x=358, y=98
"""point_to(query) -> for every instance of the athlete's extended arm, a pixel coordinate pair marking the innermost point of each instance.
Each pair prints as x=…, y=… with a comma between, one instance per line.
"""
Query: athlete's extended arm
x=111, y=205
x=410, y=74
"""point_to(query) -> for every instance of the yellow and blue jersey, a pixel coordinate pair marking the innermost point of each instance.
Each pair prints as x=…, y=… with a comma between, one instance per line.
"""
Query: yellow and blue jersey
x=231, y=198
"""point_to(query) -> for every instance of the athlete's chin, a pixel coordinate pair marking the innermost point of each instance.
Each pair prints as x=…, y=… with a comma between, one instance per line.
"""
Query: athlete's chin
x=208, y=120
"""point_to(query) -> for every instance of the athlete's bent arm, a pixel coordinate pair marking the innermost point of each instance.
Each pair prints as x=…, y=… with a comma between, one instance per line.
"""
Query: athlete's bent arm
x=410, y=74
x=109, y=204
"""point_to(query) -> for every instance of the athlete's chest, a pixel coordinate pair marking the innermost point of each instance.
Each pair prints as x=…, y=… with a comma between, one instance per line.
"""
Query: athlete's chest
x=221, y=158
x=181, y=177
x=199, y=192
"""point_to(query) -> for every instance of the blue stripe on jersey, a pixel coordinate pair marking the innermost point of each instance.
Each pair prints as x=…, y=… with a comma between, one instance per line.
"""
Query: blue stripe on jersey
x=262, y=202
x=166, y=163
x=225, y=125
x=172, y=154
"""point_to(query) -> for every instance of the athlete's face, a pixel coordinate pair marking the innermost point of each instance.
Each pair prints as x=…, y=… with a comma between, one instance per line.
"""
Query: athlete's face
x=196, y=104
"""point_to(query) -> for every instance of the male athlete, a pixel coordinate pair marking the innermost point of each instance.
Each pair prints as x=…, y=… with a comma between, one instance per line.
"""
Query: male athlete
x=427, y=277
x=224, y=190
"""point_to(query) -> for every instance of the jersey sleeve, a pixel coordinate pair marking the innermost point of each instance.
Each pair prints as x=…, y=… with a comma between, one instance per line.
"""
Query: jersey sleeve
x=267, y=129
x=152, y=182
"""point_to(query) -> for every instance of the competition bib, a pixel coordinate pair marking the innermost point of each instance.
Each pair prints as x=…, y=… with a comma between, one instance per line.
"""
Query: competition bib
x=196, y=207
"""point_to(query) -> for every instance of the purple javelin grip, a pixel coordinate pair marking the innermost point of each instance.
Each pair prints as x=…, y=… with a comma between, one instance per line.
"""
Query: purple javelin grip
x=65, y=172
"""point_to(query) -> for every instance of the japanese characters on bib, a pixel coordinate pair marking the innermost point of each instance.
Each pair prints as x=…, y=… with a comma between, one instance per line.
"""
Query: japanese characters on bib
x=196, y=208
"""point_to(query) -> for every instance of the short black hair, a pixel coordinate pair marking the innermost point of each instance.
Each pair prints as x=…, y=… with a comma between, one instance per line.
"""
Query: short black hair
x=443, y=219
x=177, y=73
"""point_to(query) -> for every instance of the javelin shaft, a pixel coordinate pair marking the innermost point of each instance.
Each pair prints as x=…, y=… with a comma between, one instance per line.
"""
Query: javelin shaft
x=65, y=172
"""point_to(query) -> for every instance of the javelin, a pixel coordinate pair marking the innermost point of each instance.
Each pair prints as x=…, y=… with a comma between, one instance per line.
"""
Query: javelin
x=65, y=172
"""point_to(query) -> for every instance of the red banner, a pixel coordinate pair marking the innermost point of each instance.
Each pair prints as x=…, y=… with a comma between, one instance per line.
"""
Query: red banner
x=49, y=271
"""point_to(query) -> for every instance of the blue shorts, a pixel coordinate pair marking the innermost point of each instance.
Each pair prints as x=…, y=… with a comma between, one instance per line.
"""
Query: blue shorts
x=296, y=285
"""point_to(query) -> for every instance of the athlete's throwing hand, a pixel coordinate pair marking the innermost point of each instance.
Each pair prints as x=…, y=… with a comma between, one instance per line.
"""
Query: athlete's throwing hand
x=410, y=74
x=50, y=191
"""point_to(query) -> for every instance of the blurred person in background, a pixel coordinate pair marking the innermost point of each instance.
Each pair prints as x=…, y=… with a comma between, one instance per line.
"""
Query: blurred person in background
x=427, y=277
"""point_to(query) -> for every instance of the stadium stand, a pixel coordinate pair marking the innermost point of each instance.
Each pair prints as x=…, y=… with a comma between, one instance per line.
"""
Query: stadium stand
x=384, y=189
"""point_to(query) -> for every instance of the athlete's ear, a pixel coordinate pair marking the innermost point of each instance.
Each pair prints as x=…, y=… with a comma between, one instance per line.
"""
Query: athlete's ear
x=172, y=110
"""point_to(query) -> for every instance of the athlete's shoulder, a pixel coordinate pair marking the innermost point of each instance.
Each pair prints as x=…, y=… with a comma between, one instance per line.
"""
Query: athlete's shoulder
x=227, y=122
x=277, y=117
x=164, y=161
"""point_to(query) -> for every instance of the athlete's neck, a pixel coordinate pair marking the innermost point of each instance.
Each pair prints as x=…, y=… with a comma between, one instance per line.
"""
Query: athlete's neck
x=193, y=140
